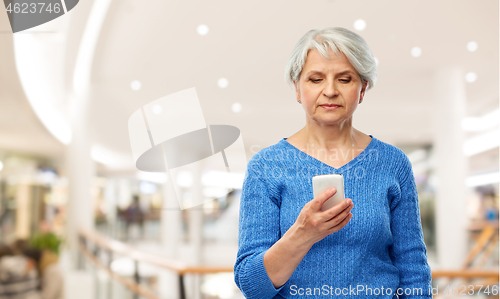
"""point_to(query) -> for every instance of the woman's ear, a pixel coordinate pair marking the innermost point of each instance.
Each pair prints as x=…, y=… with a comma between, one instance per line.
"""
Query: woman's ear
x=363, y=90
x=297, y=91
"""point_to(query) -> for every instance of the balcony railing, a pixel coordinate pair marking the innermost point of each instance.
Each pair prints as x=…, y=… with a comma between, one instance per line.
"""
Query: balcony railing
x=93, y=244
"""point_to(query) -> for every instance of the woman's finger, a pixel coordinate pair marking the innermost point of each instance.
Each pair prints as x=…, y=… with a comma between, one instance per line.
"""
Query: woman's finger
x=335, y=220
x=338, y=208
x=339, y=226
x=323, y=197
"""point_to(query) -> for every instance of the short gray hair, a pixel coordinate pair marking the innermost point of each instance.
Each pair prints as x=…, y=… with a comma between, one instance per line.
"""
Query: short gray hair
x=338, y=40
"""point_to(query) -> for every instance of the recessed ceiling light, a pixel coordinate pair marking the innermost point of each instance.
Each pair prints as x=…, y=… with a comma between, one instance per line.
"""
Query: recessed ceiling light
x=236, y=107
x=360, y=25
x=157, y=109
x=470, y=77
x=135, y=85
x=416, y=52
x=472, y=46
x=202, y=29
x=223, y=83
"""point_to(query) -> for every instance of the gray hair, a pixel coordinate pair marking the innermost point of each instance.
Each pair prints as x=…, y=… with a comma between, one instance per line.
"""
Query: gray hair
x=338, y=40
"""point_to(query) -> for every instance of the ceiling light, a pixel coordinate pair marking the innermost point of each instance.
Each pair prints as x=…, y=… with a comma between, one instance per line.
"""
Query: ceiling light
x=223, y=83
x=135, y=85
x=416, y=52
x=236, y=107
x=472, y=46
x=470, y=77
x=360, y=25
x=202, y=29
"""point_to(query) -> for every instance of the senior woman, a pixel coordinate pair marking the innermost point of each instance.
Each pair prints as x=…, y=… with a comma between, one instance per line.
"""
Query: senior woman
x=368, y=246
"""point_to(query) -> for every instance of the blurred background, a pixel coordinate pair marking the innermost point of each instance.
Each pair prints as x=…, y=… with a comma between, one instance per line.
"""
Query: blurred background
x=68, y=182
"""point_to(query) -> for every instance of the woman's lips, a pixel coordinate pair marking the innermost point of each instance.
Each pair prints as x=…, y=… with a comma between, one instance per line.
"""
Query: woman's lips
x=329, y=107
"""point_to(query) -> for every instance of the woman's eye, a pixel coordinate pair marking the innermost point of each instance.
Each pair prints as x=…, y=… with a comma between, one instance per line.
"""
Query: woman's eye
x=345, y=80
x=315, y=80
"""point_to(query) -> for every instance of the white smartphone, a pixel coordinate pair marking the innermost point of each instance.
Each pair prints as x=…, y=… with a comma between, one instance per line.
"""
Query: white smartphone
x=326, y=181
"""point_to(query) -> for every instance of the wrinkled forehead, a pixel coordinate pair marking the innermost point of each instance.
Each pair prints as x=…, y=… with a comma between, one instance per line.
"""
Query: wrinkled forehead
x=318, y=62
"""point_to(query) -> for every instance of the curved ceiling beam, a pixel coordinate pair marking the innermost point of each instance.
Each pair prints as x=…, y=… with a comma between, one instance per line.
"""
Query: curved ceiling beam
x=85, y=56
x=40, y=68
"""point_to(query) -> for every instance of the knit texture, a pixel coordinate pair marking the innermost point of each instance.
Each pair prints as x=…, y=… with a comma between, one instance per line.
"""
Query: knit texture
x=381, y=247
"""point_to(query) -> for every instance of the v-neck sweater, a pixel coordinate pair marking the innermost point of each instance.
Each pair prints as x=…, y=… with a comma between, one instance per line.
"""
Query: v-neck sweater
x=378, y=254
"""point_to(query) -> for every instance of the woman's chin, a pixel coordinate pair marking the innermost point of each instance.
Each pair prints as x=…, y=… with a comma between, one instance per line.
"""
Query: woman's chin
x=329, y=121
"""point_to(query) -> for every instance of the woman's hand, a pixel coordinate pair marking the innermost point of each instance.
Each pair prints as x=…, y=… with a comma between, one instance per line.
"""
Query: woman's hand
x=313, y=225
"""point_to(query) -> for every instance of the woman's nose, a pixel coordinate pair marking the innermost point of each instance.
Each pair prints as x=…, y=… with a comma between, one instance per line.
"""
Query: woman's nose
x=330, y=89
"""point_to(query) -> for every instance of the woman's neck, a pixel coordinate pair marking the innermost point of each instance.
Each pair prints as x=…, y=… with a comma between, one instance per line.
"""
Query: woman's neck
x=321, y=136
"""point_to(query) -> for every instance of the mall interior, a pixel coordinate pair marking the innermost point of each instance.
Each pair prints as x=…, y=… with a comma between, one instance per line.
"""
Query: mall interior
x=72, y=186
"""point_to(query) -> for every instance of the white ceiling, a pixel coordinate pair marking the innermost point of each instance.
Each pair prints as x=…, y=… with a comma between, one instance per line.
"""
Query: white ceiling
x=156, y=43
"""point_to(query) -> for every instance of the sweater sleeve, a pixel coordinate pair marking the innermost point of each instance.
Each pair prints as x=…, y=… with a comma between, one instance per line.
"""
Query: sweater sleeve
x=408, y=252
x=258, y=230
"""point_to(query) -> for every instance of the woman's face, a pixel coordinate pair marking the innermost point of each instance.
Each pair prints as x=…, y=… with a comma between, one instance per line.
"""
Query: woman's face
x=329, y=90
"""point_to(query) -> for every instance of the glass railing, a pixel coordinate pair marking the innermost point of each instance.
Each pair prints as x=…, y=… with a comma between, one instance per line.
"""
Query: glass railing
x=121, y=271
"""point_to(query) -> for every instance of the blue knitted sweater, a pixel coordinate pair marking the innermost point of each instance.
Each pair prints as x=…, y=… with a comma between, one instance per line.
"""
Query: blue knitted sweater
x=380, y=253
